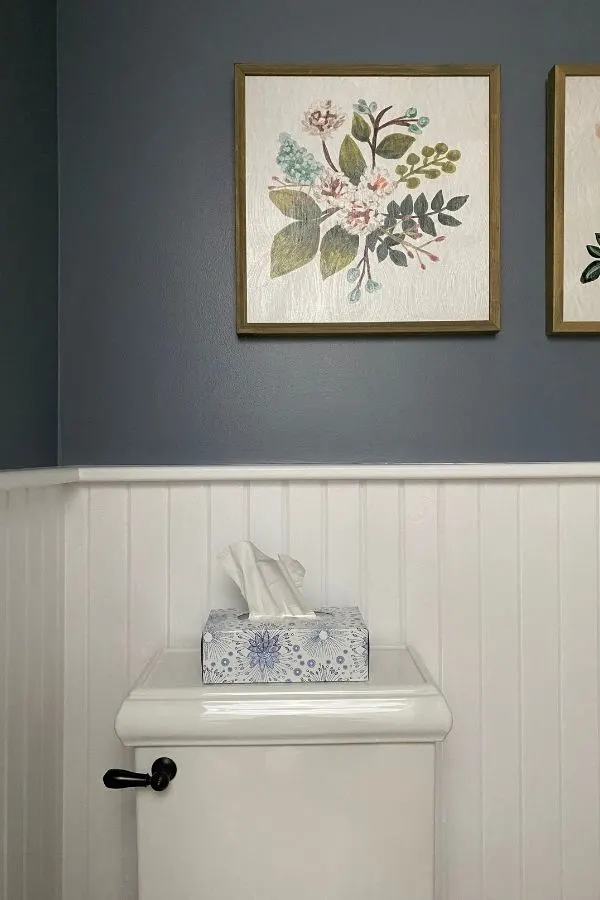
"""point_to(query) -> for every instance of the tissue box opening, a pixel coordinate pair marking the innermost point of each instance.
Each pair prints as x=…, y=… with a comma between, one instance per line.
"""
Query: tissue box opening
x=332, y=647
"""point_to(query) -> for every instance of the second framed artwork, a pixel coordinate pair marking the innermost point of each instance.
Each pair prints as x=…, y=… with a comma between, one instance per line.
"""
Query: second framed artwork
x=573, y=200
x=367, y=199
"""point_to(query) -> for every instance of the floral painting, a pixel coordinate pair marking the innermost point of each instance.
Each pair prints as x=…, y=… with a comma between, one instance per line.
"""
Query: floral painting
x=574, y=200
x=362, y=202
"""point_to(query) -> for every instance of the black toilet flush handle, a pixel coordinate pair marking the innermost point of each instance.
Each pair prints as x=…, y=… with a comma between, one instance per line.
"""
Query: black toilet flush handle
x=163, y=772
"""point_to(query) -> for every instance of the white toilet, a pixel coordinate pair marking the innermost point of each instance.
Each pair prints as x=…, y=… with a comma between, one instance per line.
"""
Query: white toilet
x=285, y=791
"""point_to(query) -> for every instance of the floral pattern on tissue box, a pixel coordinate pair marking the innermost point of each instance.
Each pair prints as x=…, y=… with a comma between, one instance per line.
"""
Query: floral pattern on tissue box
x=332, y=647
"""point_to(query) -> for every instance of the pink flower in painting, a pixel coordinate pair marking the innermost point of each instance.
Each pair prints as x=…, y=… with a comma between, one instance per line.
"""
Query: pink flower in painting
x=598, y=129
x=361, y=216
x=333, y=187
x=376, y=183
x=322, y=118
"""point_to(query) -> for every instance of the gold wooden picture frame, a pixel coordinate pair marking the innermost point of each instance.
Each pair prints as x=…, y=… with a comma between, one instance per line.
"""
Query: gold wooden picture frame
x=573, y=200
x=351, y=185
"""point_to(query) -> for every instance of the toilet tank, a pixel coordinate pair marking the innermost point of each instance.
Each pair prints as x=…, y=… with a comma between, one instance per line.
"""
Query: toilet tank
x=287, y=791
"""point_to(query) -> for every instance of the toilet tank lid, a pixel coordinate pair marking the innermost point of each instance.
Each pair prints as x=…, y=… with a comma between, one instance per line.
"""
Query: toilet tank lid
x=170, y=706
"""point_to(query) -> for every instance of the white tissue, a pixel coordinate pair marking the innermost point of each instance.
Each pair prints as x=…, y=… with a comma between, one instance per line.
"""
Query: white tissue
x=271, y=587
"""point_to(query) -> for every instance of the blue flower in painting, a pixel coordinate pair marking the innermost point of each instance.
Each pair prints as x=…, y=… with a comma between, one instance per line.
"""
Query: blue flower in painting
x=264, y=650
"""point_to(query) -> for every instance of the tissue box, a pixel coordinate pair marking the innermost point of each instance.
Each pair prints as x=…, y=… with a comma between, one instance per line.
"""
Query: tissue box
x=332, y=647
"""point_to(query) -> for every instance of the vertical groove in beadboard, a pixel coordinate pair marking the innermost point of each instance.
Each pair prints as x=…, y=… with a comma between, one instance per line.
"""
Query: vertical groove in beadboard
x=285, y=517
x=16, y=687
x=246, y=510
x=128, y=612
x=33, y=599
x=48, y=595
x=402, y=598
x=559, y=614
x=26, y=661
x=168, y=610
x=88, y=766
x=324, y=544
x=440, y=515
x=4, y=734
x=441, y=822
x=54, y=517
x=363, y=536
x=482, y=731
x=207, y=546
x=520, y=697
x=597, y=543
x=128, y=821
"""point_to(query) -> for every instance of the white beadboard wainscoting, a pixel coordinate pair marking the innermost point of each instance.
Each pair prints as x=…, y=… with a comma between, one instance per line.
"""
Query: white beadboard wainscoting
x=491, y=573
x=31, y=693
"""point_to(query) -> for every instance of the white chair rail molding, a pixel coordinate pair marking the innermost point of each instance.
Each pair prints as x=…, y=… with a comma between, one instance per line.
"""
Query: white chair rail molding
x=491, y=572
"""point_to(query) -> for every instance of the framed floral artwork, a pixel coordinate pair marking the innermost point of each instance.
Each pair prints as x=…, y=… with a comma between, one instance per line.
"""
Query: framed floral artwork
x=573, y=200
x=367, y=199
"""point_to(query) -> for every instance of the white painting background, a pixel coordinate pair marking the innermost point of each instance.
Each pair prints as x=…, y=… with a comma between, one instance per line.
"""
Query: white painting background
x=581, y=302
x=456, y=287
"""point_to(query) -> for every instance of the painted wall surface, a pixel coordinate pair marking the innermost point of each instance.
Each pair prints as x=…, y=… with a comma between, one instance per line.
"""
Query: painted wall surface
x=152, y=369
x=28, y=234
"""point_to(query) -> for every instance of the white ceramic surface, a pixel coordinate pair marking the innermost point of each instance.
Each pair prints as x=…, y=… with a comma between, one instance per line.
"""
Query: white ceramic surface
x=287, y=790
x=170, y=705
x=349, y=822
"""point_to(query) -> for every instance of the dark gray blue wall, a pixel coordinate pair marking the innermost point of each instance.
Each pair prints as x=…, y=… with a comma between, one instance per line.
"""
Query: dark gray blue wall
x=28, y=234
x=152, y=370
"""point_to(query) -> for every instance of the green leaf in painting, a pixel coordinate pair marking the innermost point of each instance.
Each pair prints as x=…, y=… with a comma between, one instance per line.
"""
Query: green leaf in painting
x=443, y=219
x=295, y=204
x=406, y=207
x=294, y=246
x=382, y=252
x=421, y=206
x=438, y=202
x=393, y=239
x=593, y=251
x=338, y=249
x=598, y=238
x=591, y=272
x=456, y=203
x=394, y=210
x=360, y=128
x=398, y=257
x=394, y=146
x=427, y=225
x=352, y=162
x=371, y=241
